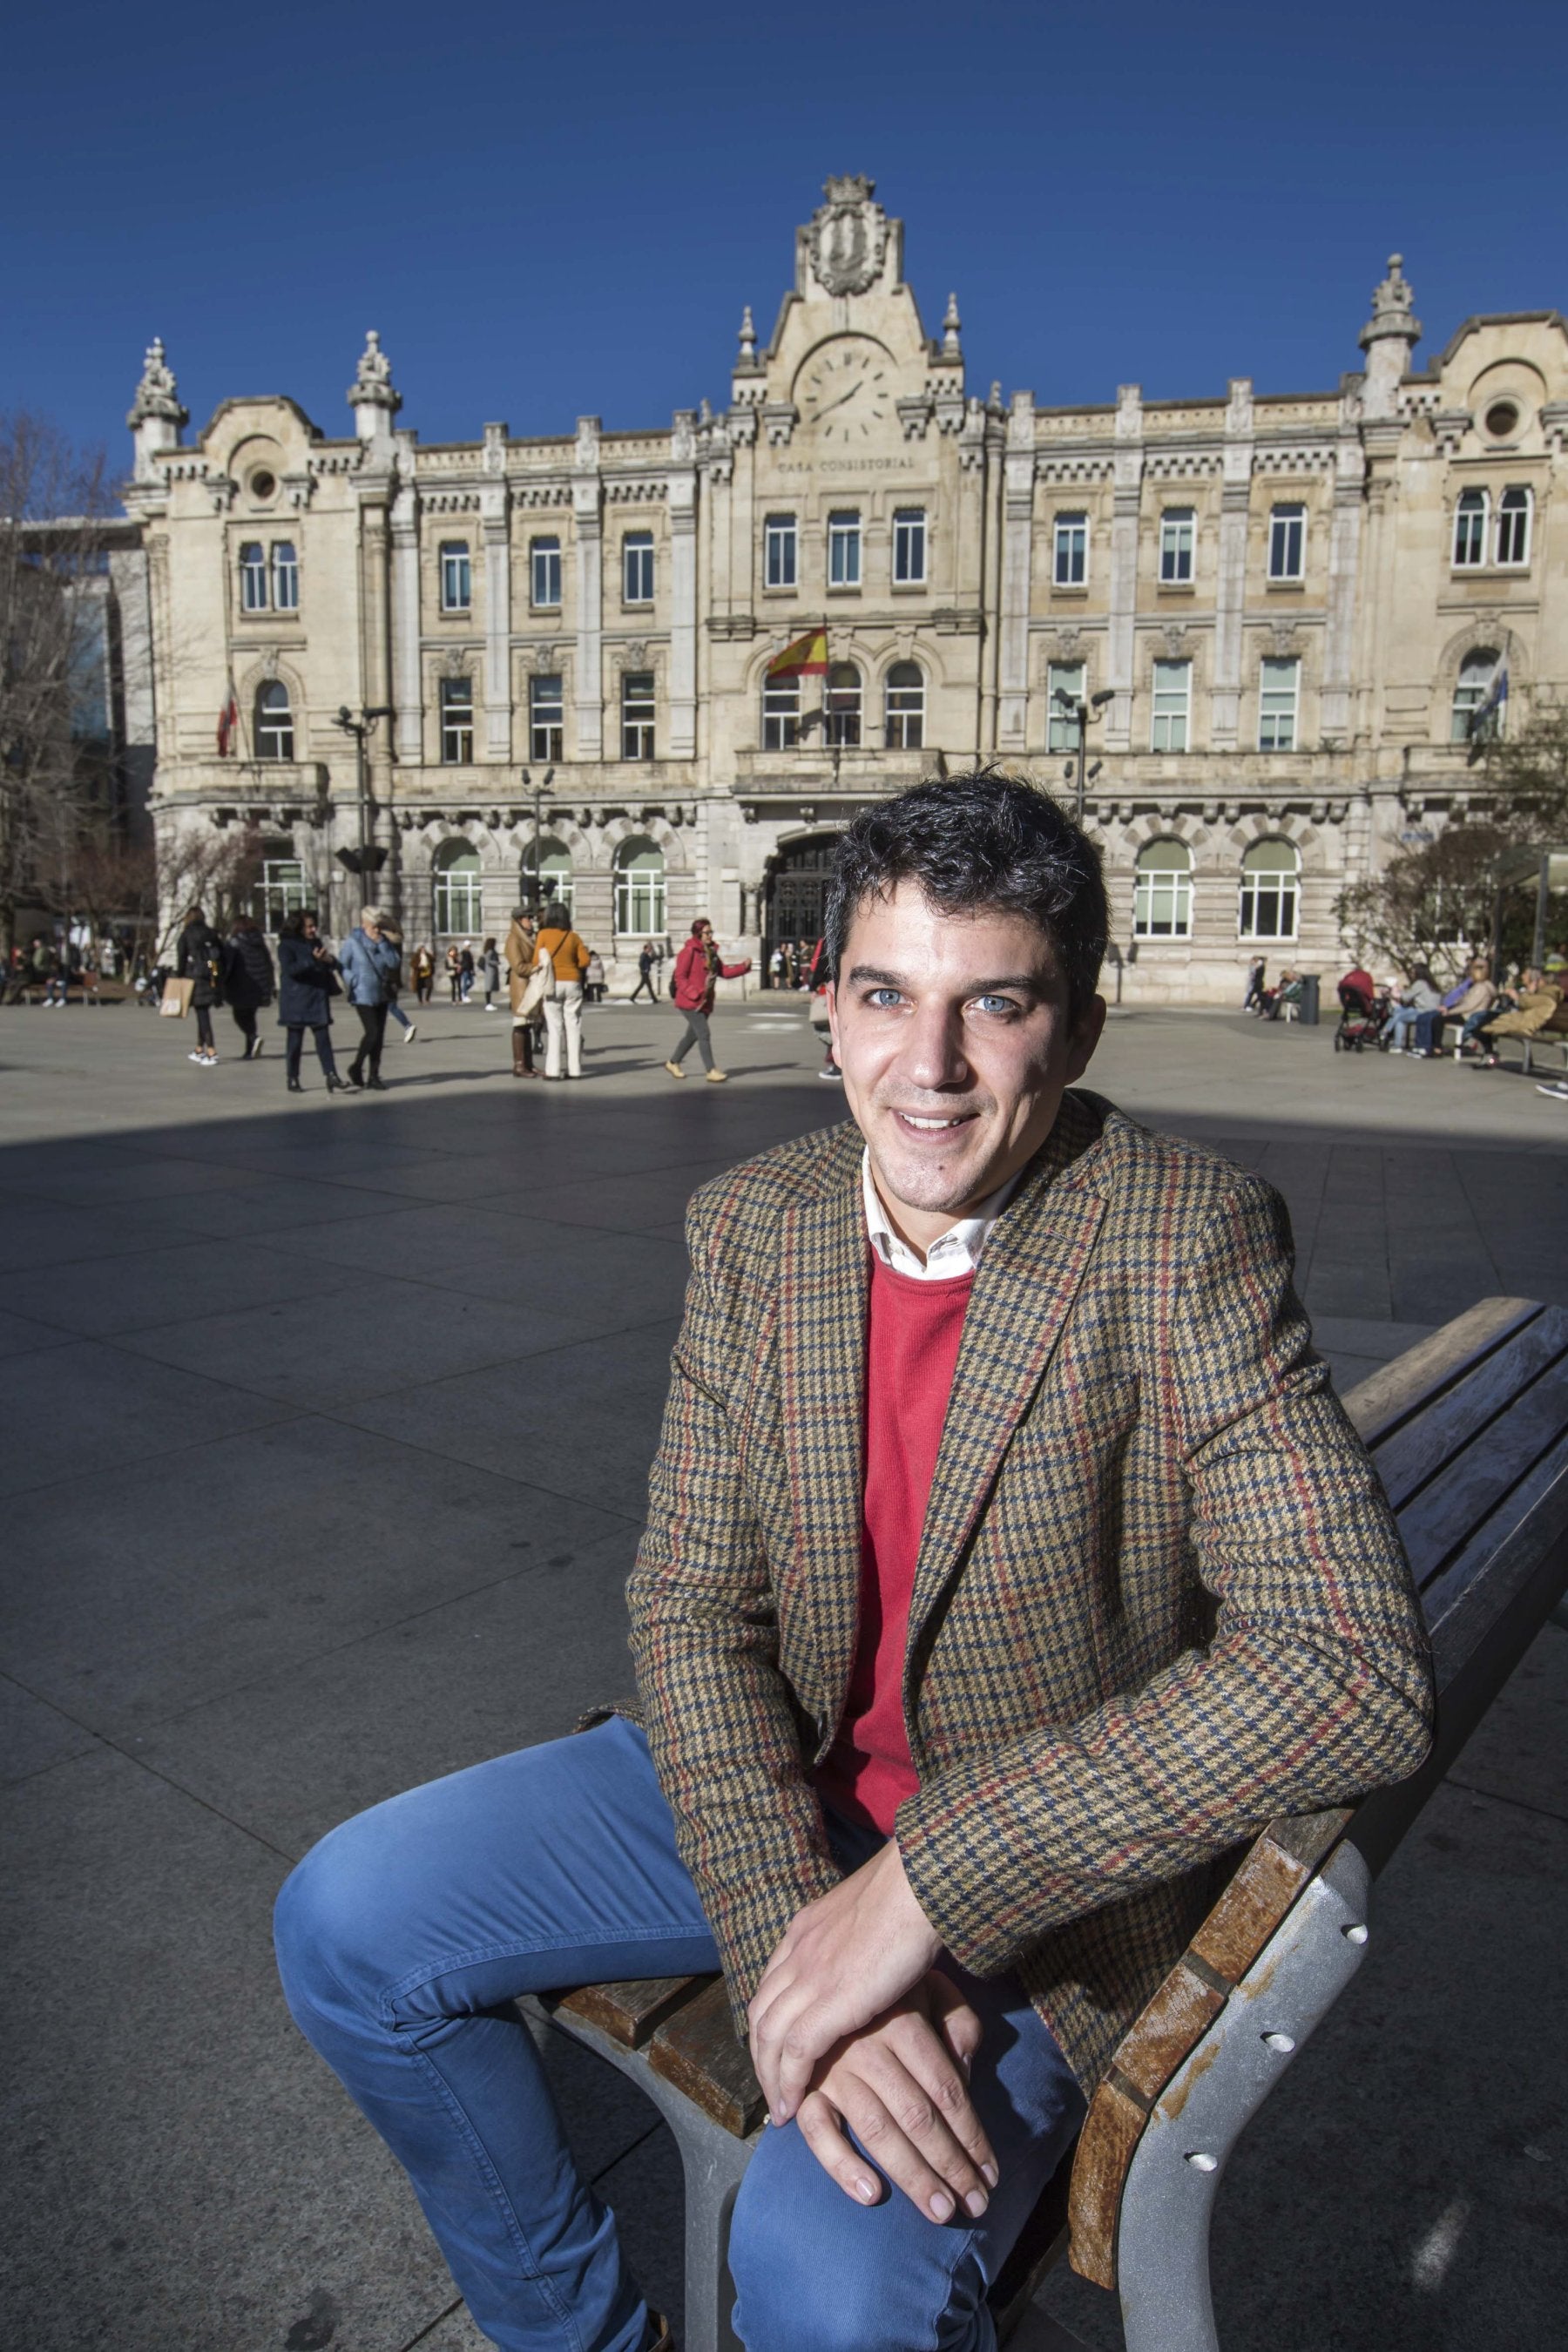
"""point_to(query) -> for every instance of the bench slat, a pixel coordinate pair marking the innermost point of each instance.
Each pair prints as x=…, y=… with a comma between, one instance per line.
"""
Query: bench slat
x=697, y=2051
x=1446, y=1515
x=1386, y=1398
x=630, y=2012
x=1416, y=1452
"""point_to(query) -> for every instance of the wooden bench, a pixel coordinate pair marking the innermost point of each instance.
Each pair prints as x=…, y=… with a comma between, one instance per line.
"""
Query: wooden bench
x=1469, y=1431
x=30, y=990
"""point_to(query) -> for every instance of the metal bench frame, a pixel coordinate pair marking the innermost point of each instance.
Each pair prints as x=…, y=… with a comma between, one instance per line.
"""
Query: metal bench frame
x=1281, y=1942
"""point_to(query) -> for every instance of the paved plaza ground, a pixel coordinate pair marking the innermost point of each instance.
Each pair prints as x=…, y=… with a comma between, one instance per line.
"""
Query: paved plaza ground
x=327, y=1426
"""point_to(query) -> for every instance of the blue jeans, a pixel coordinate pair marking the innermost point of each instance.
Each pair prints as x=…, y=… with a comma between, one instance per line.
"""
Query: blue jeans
x=403, y=1937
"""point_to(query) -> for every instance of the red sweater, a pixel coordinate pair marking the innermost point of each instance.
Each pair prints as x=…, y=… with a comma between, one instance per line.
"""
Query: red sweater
x=910, y=1356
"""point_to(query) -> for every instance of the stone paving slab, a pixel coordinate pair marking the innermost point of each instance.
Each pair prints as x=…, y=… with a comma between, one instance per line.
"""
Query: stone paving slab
x=341, y=1495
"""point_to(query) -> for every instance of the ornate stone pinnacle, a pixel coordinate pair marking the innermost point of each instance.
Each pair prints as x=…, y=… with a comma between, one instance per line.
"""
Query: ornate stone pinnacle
x=748, y=337
x=372, y=386
x=156, y=395
x=849, y=188
x=949, y=327
x=1393, y=307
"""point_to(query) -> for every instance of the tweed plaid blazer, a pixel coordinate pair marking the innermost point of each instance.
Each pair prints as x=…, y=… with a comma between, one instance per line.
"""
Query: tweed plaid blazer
x=1159, y=1593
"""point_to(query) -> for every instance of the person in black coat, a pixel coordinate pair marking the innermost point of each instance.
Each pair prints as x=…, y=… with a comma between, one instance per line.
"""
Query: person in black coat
x=250, y=979
x=307, y=983
x=199, y=959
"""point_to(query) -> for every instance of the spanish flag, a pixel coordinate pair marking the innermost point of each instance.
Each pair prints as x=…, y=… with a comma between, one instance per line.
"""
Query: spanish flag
x=806, y=657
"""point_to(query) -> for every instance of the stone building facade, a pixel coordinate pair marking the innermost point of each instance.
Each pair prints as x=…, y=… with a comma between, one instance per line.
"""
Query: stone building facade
x=1269, y=616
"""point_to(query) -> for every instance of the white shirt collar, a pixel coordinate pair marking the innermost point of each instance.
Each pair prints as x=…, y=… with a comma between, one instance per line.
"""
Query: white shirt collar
x=954, y=1252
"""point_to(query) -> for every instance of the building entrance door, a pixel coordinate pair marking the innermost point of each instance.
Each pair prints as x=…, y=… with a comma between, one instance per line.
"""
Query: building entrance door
x=795, y=897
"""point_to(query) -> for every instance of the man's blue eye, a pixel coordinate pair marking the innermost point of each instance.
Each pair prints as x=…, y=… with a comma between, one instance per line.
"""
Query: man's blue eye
x=996, y=1004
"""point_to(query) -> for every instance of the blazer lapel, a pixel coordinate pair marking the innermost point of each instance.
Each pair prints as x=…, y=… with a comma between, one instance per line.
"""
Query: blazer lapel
x=823, y=1282
x=1033, y=1263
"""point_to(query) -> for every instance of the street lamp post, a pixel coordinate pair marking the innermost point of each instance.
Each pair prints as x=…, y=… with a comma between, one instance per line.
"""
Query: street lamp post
x=1083, y=712
x=365, y=860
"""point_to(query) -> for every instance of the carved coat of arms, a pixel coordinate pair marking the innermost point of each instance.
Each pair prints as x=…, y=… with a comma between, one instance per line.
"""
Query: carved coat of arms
x=849, y=237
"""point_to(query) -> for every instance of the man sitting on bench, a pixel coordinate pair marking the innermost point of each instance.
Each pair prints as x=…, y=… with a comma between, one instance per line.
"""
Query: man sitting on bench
x=1008, y=1561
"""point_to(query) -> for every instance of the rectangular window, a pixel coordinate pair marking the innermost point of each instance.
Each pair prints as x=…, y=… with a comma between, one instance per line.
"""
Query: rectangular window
x=1286, y=543
x=457, y=723
x=779, y=551
x=1173, y=704
x=910, y=546
x=1278, y=692
x=637, y=715
x=281, y=891
x=1176, y=529
x=1069, y=563
x=546, y=713
x=637, y=568
x=544, y=569
x=843, y=550
x=781, y=714
x=456, y=576
x=252, y=577
x=1513, y=527
x=1062, y=678
x=1470, y=531
x=285, y=576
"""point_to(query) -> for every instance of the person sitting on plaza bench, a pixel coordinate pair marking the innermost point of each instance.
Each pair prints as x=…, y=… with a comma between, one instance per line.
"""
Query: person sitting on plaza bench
x=1008, y=1560
x=1419, y=999
x=1532, y=1006
x=1468, y=1002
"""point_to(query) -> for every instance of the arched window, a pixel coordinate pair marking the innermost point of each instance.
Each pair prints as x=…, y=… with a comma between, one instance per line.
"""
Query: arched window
x=841, y=706
x=285, y=576
x=905, y=694
x=547, y=874
x=1470, y=531
x=274, y=721
x=1269, y=872
x=1471, y=688
x=459, y=895
x=1163, y=895
x=781, y=713
x=639, y=889
x=252, y=577
x=1514, y=526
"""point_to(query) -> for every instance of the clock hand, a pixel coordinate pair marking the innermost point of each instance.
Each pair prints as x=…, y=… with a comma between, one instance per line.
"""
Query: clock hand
x=838, y=403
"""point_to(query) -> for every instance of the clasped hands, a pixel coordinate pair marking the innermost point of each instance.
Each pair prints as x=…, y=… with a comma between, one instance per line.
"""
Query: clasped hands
x=854, y=2029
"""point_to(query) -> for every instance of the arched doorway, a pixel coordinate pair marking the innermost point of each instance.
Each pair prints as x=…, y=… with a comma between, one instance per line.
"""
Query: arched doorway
x=795, y=892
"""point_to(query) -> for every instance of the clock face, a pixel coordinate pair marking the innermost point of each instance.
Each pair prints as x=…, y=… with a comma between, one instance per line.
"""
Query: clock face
x=846, y=391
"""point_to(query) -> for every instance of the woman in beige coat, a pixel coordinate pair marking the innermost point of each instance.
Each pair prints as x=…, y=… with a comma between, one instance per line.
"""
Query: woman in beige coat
x=520, y=953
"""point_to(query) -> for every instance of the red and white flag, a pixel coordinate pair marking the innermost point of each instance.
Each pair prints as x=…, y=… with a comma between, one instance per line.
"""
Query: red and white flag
x=227, y=724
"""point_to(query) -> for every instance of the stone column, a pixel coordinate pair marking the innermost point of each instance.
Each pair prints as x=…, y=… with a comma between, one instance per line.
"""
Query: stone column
x=493, y=523
x=1017, y=537
x=682, y=686
x=407, y=694
x=1230, y=592
x=1127, y=477
x=587, y=666
x=1345, y=560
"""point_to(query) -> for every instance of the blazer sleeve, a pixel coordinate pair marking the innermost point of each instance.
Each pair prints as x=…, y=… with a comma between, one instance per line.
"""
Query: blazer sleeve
x=1314, y=1688
x=721, y=1723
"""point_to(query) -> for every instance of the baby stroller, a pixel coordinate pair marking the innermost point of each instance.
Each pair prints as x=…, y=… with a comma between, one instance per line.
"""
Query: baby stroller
x=1360, y=1019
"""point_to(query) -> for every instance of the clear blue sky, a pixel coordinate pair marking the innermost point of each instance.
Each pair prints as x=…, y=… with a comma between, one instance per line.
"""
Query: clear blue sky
x=549, y=211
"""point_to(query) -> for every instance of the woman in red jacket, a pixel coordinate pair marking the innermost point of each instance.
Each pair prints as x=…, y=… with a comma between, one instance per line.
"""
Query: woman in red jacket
x=698, y=969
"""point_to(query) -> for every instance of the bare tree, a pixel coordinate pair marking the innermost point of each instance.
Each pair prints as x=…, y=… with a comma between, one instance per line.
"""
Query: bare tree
x=55, y=504
x=215, y=871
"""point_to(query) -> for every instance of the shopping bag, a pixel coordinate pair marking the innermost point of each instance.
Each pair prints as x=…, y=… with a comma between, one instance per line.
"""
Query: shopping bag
x=176, y=1001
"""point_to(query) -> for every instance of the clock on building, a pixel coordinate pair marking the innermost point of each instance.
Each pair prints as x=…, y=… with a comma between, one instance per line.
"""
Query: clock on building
x=845, y=389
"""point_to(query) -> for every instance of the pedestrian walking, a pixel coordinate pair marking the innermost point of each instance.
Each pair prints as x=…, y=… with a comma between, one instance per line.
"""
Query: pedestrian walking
x=307, y=983
x=594, y=978
x=454, y=972
x=250, y=981
x=199, y=959
x=1253, y=1000
x=564, y=1010
x=645, y=975
x=465, y=971
x=699, y=967
x=369, y=967
x=777, y=967
x=490, y=973
x=393, y=938
x=521, y=953
x=819, y=975
x=423, y=973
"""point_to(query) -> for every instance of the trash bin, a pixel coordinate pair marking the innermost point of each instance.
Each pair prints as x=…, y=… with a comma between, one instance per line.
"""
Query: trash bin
x=1307, y=1007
